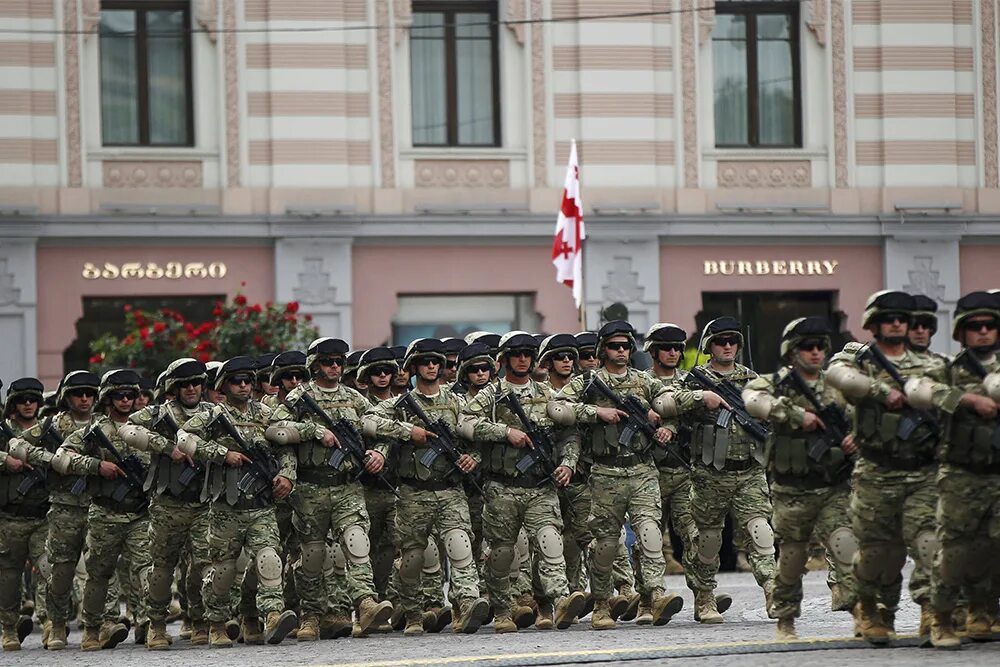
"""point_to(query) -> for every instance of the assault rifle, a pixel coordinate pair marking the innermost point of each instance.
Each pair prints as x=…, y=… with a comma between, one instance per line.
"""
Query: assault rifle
x=263, y=467
x=32, y=476
x=912, y=418
x=444, y=443
x=130, y=464
x=169, y=430
x=638, y=416
x=542, y=448
x=52, y=439
x=351, y=443
x=837, y=426
x=736, y=411
x=969, y=359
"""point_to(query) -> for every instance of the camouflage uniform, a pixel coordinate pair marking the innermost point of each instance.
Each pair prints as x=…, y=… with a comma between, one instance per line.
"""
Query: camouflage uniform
x=381, y=506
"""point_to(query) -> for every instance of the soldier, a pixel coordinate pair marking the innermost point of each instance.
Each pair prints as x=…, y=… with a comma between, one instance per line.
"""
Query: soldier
x=923, y=326
x=212, y=395
x=519, y=498
x=288, y=371
x=432, y=501
x=178, y=518
x=118, y=523
x=894, y=499
x=243, y=483
x=147, y=393
x=623, y=480
x=452, y=347
x=24, y=502
x=727, y=475
x=810, y=468
x=328, y=500
x=968, y=478
x=401, y=382
x=67, y=516
x=586, y=351
x=557, y=355
x=351, y=365
x=264, y=388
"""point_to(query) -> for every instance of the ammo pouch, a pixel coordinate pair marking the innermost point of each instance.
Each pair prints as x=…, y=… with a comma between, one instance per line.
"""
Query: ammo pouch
x=412, y=468
x=23, y=490
x=164, y=478
x=133, y=502
x=973, y=443
x=222, y=485
x=792, y=466
x=895, y=439
x=312, y=454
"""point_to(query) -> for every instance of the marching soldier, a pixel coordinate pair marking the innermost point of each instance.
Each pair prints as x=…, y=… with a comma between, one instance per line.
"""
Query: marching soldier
x=328, y=499
x=288, y=371
x=810, y=467
x=522, y=497
x=118, y=523
x=351, y=365
x=586, y=351
x=264, y=388
x=452, y=348
x=177, y=517
x=245, y=478
x=923, y=326
x=401, y=381
x=212, y=395
x=557, y=355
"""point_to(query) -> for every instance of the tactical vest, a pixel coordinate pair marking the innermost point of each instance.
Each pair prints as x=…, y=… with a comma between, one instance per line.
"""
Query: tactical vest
x=604, y=437
x=789, y=460
x=167, y=477
x=312, y=457
x=973, y=443
x=500, y=459
x=24, y=494
x=61, y=487
x=108, y=492
x=236, y=486
x=441, y=472
x=714, y=445
x=894, y=439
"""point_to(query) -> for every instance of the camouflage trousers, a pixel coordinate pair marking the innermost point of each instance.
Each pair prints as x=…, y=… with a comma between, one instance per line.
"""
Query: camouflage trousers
x=381, y=506
x=331, y=510
x=893, y=512
x=800, y=515
x=291, y=553
x=575, y=500
x=507, y=511
x=64, y=544
x=617, y=494
x=111, y=535
x=21, y=539
x=422, y=514
x=231, y=531
x=675, y=496
x=715, y=494
x=176, y=528
x=968, y=531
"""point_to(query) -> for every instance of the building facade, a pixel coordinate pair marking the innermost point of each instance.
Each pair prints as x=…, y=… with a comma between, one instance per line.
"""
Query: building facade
x=396, y=165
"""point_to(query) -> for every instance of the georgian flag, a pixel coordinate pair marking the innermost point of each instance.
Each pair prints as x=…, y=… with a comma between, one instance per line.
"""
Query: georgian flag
x=567, y=246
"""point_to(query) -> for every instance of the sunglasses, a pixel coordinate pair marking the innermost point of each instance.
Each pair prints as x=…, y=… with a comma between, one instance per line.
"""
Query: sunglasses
x=521, y=353
x=451, y=363
x=81, y=393
x=427, y=361
x=894, y=318
x=26, y=399
x=728, y=340
x=588, y=356
x=480, y=368
x=237, y=380
x=293, y=375
x=185, y=384
x=671, y=347
x=331, y=361
x=618, y=347
x=925, y=324
x=979, y=325
x=382, y=370
x=811, y=345
x=122, y=395
x=562, y=356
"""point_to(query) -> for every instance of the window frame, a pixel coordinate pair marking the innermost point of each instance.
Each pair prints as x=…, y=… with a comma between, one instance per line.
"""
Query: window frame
x=449, y=9
x=750, y=10
x=140, y=8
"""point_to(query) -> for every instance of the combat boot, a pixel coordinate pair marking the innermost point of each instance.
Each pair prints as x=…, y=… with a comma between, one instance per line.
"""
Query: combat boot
x=234, y=630
x=889, y=619
x=334, y=626
x=91, y=639
x=471, y=614
x=543, y=621
x=112, y=634
x=617, y=604
x=502, y=623
x=428, y=620
x=768, y=598
x=601, y=618
x=871, y=623
x=959, y=616
x=664, y=606
x=645, y=614
x=397, y=620
x=186, y=629
x=588, y=604
x=309, y=628
x=942, y=634
x=673, y=566
x=24, y=627
x=632, y=609
x=841, y=598
x=279, y=624
x=157, y=638
x=785, y=630
x=723, y=601
x=56, y=640
x=523, y=611
x=250, y=629
x=217, y=637
x=372, y=614
x=977, y=624
x=705, y=608
x=46, y=631
x=926, y=619
x=442, y=618
x=414, y=624
x=141, y=630
x=199, y=633
x=568, y=609
x=10, y=640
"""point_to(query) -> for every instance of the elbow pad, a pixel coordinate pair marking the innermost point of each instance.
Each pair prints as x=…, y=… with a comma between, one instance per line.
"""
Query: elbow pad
x=18, y=448
x=561, y=413
x=665, y=405
x=135, y=436
x=62, y=460
x=282, y=435
x=759, y=404
x=187, y=442
x=851, y=382
x=369, y=427
x=992, y=385
x=920, y=393
x=467, y=428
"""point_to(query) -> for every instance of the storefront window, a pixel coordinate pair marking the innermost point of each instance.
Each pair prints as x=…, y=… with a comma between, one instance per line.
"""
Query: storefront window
x=456, y=316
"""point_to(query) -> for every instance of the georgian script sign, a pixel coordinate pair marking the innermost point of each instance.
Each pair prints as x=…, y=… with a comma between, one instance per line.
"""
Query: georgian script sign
x=153, y=271
x=770, y=267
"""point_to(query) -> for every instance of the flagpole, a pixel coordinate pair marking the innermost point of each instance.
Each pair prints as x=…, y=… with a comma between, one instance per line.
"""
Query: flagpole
x=583, y=291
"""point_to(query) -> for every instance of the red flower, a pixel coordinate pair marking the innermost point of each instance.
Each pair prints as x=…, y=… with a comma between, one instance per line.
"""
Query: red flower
x=203, y=345
x=96, y=359
x=217, y=311
x=292, y=307
x=159, y=327
x=140, y=321
x=258, y=340
x=128, y=308
x=308, y=318
x=188, y=327
x=240, y=300
x=128, y=340
x=143, y=333
x=204, y=357
x=148, y=344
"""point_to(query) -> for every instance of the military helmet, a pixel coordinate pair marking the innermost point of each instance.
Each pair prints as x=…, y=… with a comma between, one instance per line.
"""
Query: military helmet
x=325, y=347
x=77, y=380
x=23, y=388
x=725, y=325
x=212, y=372
x=586, y=340
x=424, y=347
x=234, y=366
x=182, y=369
x=475, y=353
x=615, y=328
x=924, y=310
x=286, y=362
x=352, y=361
x=517, y=340
x=453, y=345
x=147, y=386
x=664, y=333
x=804, y=328
x=160, y=391
x=399, y=351
x=972, y=304
x=557, y=343
x=377, y=356
x=263, y=364
x=116, y=380
x=491, y=339
x=887, y=302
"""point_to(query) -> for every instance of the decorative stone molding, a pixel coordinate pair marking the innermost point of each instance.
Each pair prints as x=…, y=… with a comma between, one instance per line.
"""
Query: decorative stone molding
x=206, y=13
x=9, y=293
x=386, y=132
x=924, y=279
x=323, y=286
x=623, y=283
x=538, y=96
x=402, y=11
x=817, y=20
x=74, y=139
x=764, y=174
x=839, y=58
x=461, y=173
x=988, y=16
x=314, y=286
x=91, y=10
x=231, y=57
x=158, y=174
x=706, y=21
x=515, y=12
x=689, y=89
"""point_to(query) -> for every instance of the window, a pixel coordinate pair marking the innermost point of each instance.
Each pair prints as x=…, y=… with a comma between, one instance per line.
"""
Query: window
x=146, y=74
x=427, y=316
x=755, y=49
x=454, y=74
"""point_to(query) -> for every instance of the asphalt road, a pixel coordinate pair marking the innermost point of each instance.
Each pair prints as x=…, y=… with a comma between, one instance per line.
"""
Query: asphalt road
x=745, y=638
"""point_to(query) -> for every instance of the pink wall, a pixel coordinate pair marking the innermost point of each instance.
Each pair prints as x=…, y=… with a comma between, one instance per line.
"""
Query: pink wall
x=380, y=273
x=979, y=267
x=61, y=286
x=858, y=273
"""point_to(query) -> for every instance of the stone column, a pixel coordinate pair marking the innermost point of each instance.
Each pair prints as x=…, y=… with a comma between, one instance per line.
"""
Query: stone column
x=317, y=273
x=18, y=310
x=625, y=271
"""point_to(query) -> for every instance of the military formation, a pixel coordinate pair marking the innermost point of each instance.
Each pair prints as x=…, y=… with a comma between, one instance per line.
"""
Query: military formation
x=331, y=493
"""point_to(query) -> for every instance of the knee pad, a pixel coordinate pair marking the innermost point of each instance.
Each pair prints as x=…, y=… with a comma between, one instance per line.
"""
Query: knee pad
x=409, y=566
x=842, y=545
x=222, y=576
x=432, y=558
x=458, y=547
x=313, y=558
x=550, y=545
x=761, y=536
x=792, y=561
x=501, y=558
x=329, y=566
x=879, y=563
x=523, y=548
x=339, y=559
x=268, y=567
x=650, y=539
x=603, y=555
x=159, y=583
x=924, y=548
x=709, y=542
x=357, y=545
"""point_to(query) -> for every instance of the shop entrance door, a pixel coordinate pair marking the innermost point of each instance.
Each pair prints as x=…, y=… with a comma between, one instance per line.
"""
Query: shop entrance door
x=767, y=313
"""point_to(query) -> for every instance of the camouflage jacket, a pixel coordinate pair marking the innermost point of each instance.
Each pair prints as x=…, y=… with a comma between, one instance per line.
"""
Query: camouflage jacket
x=59, y=485
x=148, y=418
x=89, y=454
x=740, y=446
x=36, y=455
x=970, y=438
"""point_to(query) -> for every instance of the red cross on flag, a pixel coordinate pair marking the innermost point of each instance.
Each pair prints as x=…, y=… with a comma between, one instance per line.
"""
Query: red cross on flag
x=567, y=246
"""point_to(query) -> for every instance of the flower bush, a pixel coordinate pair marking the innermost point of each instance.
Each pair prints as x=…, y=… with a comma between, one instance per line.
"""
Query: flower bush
x=153, y=339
